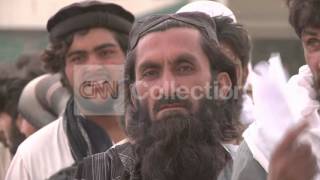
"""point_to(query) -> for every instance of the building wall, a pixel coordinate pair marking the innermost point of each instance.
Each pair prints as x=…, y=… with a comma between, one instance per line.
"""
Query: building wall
x=15, y=43
x=266, y=22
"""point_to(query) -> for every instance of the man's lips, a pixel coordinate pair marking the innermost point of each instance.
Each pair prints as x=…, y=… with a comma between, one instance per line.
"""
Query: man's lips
x=172, y=105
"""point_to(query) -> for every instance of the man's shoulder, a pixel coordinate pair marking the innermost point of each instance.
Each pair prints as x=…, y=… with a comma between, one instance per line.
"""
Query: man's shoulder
x=47, y=145
x=43, y=137
x=245, y=167
x=244, y=152
x=110, y=164
x=122, y=152
x=42, y=154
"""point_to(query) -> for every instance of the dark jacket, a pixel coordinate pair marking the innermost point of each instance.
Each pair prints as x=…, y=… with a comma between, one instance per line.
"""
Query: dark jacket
x=118, y=163
x=245, y=167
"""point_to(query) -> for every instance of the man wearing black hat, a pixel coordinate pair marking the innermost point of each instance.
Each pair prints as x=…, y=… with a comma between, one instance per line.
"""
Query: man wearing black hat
x=86, y=39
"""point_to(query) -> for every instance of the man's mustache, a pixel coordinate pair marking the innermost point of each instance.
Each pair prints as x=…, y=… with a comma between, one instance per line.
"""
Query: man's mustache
x=167, y=100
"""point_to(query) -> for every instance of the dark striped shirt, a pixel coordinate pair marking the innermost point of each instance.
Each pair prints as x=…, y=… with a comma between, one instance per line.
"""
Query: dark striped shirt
x=118, y=163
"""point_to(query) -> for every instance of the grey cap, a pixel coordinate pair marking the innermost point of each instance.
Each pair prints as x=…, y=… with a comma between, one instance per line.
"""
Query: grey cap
x=43, y=100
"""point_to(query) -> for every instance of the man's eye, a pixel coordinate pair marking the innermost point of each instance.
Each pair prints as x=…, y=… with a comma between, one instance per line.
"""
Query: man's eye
x=106, y=53
x=185, y=68
x=313, y=44
x=150, y=74
x=76, y=59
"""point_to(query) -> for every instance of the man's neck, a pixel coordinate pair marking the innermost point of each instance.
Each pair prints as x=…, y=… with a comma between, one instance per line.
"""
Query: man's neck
x=110, y=125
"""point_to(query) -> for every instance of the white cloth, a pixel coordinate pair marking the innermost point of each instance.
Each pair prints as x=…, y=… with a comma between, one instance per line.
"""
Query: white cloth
x=5, y=159
x=302, y=101
x=279, y=106
x=42, y=154
x=210, y=8
x=231, y=149
x=247, y=115
x=271, y=111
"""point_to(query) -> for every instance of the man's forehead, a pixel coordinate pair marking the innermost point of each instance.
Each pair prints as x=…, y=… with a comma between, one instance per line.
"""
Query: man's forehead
x=175, y=41
x=169, y=46
x=92, y=38
x=179, y=33
x=95, y=32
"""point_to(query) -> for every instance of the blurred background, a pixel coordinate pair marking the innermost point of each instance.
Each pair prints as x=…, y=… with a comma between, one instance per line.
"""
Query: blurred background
x=22, y=25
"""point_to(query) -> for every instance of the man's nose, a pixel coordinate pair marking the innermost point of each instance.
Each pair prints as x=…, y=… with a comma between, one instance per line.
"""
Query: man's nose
x=168, y=84
x=94, y=60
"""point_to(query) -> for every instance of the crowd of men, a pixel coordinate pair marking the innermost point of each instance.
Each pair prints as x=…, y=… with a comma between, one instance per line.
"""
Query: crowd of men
x=161, y=97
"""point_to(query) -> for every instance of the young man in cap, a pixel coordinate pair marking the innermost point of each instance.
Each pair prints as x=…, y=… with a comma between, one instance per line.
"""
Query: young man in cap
x=85, y=38
x=303, y=89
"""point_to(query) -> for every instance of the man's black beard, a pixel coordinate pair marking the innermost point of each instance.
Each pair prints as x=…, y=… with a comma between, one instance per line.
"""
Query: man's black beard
x=181, y=146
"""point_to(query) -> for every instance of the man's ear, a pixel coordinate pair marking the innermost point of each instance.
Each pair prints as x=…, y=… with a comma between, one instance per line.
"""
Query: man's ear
x=224, y=84
x=133, y=96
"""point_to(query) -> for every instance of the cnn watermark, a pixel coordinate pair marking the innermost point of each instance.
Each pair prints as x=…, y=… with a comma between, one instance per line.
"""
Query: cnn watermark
x=99, y=90
x=170, y=89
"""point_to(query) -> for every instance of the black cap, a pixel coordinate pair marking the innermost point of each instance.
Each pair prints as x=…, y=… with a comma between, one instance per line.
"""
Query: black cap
x=86, y=14
x=200, y=21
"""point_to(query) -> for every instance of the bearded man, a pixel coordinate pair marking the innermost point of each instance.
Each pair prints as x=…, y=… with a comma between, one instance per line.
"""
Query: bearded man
x=182, y=104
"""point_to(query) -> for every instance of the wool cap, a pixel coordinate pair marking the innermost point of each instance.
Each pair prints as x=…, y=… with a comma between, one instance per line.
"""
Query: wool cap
x=88, y=14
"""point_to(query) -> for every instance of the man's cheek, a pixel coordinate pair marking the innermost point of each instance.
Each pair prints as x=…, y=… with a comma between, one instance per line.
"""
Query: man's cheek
x=148, y=105
x=70, y=73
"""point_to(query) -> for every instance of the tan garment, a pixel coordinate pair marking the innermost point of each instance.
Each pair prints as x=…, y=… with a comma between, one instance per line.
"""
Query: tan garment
x=5, y=159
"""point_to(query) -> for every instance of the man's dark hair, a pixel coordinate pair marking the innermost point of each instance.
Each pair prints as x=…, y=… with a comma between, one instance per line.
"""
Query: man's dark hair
x=303, y=13
x=217, y=60
x=10, y=90
x=4, y=73
x=8, y=73
x=30, y=66
x=236, y=36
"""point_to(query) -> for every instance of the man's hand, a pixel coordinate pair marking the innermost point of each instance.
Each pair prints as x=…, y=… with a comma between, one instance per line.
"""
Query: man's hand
x=293, y=161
